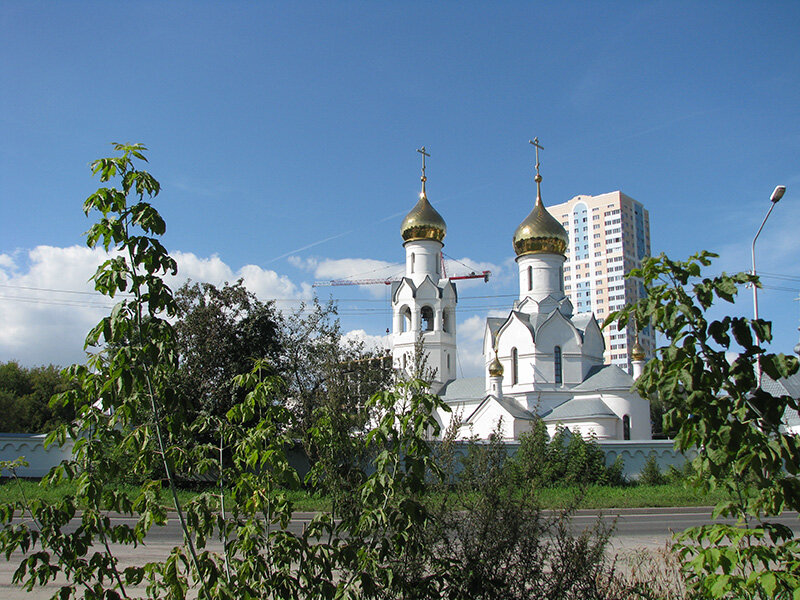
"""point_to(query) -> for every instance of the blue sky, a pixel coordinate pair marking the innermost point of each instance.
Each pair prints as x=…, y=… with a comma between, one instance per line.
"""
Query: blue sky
x=284, y=137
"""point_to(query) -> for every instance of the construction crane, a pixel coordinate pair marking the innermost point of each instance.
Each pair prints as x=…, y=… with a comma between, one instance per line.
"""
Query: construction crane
x=388, y=281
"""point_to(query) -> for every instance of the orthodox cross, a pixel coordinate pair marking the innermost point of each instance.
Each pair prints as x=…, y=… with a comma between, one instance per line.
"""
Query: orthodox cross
x=536, y=145
x=424, y=154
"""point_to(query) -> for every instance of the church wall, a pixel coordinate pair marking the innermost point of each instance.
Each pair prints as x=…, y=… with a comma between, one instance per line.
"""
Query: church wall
x=515, y=335
x=637, y=408
x=603, y=428
x=484, y=423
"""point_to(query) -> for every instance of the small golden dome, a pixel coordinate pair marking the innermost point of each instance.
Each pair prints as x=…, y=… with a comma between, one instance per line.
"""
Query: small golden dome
x=637, y=352
x=495, y=368
x=540, y=233
x=423, y=222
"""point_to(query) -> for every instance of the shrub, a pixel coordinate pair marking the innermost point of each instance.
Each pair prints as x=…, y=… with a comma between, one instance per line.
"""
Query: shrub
x=568, y=458
x=651, y=473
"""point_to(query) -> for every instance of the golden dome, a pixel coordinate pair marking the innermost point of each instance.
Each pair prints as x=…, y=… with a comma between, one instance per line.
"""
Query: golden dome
x=540, y=232
x=423, y=222
x=637, y=352
x=495, y=368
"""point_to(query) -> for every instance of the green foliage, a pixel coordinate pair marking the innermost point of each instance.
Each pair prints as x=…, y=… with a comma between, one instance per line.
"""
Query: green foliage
x=499, y=543
x=326, y=374
x=220, y=332
x=651, y=473
x=716, y=405
x=133, y=423
x=25, y=395
x=566, y=459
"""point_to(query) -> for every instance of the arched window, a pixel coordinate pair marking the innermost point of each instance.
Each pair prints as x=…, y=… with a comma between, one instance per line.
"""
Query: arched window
x=445, y=321
x=530, y=278
x=427, y=318
x=413, y=260
x=406, y=312
x=448, y=363
x=514, y=366
x=626, y=427
x=558, y=371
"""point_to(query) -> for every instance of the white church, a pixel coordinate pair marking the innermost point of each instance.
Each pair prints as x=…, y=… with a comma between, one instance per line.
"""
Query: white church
x=541, y=359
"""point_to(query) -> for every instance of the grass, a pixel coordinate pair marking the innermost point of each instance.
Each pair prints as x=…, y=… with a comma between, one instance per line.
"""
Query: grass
x=597, y=496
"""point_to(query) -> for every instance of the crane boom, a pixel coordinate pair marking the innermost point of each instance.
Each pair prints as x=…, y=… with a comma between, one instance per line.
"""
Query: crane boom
x=482, y=275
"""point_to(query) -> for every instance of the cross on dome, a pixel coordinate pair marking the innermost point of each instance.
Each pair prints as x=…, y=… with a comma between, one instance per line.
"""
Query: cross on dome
x=423, y=178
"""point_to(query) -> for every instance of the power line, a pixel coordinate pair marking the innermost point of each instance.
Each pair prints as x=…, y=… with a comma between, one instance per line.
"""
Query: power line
x=39, y=289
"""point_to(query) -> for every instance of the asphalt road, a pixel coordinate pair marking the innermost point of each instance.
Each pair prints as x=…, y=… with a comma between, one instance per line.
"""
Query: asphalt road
x=634, y=528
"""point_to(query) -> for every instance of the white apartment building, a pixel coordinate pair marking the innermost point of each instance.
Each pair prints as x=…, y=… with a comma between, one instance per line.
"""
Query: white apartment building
x=609, y=235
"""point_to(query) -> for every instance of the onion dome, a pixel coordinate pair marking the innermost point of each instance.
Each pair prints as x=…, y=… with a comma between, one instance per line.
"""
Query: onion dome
x=540, y=233
x=637, y=352
x=495, y=368
x=423, y=222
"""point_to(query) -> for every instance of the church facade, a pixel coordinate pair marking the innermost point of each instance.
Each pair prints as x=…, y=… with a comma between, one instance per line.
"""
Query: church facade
x=541, y=359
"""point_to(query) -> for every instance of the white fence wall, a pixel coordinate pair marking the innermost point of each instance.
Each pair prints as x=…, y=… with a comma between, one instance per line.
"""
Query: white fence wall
x=634, y=453
x=31, y=446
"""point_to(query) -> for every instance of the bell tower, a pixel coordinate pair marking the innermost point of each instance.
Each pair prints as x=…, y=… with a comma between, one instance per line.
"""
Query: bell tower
x=424, y=300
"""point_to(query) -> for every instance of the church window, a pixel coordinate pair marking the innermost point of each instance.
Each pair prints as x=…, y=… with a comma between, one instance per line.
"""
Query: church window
x=413, y=260
x=446, y=324
x=406, y=319
x=514, y=366
x=530, y=278
x=557, y=365
x=626, y=427
x=427, y=318
x=448, y=363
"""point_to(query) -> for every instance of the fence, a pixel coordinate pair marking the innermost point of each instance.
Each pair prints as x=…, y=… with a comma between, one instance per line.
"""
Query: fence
x=31, y=446
x=634, y=454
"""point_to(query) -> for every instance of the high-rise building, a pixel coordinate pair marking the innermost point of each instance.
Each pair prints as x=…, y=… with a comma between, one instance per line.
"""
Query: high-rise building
x=609, y=235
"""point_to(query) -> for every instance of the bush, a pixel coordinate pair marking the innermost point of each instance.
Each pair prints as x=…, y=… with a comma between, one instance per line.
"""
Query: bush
x=651, y=473
x=566, y=459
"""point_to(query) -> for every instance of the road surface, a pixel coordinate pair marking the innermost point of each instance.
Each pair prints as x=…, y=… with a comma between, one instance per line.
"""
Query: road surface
x=649, y=528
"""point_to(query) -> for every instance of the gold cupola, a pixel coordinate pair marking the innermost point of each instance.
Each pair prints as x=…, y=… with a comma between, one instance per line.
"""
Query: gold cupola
x=540, y=233
x=637, y=352
x=423, y=222
x=495, y=367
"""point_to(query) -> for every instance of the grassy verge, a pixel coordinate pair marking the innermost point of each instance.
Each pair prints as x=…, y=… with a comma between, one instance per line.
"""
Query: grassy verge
x=640, y=496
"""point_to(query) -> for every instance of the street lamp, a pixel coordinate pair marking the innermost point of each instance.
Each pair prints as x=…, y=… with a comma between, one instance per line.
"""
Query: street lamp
x=777, y=194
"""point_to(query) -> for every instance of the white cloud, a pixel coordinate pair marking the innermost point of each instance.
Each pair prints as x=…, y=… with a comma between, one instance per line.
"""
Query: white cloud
x=470, y=346
x=378, y=343
x=48, y=304
x=328, y=269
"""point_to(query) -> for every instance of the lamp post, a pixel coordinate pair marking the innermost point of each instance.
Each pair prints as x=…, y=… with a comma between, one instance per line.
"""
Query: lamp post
x=777, y=194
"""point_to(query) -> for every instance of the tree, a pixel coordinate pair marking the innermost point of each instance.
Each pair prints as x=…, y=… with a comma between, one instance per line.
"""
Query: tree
x=322, y=370
x=708, y=372
x=220, y=333
x=25, y=395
